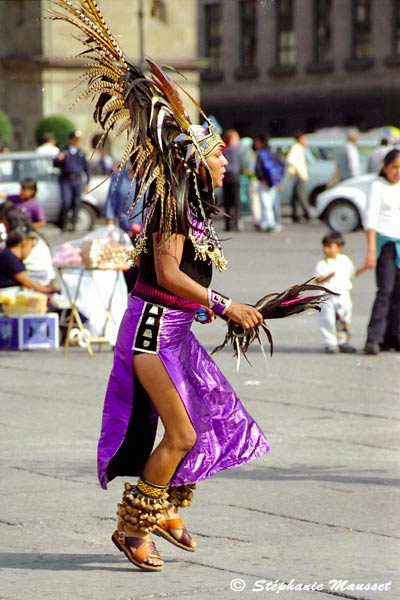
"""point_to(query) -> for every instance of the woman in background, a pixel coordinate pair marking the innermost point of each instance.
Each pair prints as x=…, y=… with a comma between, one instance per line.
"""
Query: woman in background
x=382, y=226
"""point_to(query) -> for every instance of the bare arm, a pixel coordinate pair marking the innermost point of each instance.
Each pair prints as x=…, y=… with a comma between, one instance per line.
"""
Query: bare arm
x=370, y=259
x=324, y=278
x=24, y=280
x=38, y=224
x=168, y=256
x=360, y=271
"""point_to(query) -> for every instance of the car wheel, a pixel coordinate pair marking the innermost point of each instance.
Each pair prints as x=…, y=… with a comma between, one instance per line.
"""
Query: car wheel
x=86, y=217
x=342, y=216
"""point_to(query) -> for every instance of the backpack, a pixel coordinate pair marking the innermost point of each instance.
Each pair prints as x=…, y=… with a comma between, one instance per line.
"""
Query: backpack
x=269, y=167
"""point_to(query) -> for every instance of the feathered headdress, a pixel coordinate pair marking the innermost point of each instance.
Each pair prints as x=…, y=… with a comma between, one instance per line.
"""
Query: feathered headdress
x=164, y=149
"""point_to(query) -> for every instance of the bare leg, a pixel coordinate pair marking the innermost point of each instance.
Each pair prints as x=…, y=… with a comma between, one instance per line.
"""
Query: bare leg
x=179, y=436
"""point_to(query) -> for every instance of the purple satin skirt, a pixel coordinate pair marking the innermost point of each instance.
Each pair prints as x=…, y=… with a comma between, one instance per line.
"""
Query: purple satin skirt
x=227, y=436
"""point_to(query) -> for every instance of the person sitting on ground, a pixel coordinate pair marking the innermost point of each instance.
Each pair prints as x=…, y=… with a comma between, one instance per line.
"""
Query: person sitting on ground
x=38, y=264
x=26, y=200
x=336, y=271
x=13, y=272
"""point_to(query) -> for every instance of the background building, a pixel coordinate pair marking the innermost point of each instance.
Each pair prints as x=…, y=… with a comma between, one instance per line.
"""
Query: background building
x=272, y=65
x=282, y=65
x=38, y=74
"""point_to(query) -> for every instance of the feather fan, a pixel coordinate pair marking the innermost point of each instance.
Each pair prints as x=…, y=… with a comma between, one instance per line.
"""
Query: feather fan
x=294, y=300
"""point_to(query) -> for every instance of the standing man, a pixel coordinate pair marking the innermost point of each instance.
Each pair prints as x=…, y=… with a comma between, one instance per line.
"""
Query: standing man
x=73, y=166
x=377, y=155
x=48, y=146
x=231, y=184
x=298, y=171
x=347, y=158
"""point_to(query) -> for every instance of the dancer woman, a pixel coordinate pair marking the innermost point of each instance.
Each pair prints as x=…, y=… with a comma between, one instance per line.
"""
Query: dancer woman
x=168, y=374
x=160, y=370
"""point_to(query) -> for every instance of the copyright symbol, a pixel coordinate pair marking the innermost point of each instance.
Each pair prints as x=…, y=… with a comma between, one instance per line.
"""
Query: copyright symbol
x=237, y=585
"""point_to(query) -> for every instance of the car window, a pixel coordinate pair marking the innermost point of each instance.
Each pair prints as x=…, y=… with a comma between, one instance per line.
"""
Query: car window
x=324, y=152
x=41, y=169
x=281, y=147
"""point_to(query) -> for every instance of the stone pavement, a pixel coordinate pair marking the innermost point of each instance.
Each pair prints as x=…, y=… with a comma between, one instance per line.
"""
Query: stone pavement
x=323, y=506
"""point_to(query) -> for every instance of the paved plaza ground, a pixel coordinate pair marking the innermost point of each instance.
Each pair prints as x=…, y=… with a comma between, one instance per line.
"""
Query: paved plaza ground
x=320, y=513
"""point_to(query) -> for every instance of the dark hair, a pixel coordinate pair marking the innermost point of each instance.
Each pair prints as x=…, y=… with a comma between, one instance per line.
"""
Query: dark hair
x=15, y=218
x=298, y=135
x=48, y=137
x=29, y=183
x=18, y=235
x=228, y=135
x=390, y=157
x=263, y=138
x=5, y=207
x=333, y=237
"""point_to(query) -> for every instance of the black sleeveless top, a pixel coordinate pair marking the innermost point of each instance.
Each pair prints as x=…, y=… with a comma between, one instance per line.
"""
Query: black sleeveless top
x=195, y=267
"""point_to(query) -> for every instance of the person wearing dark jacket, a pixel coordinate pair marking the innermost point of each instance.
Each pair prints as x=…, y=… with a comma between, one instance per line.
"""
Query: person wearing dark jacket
x=73, y=166
x=231, y=185
x=269, y=170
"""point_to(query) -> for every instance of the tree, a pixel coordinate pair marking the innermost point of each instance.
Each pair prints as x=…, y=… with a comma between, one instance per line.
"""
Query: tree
x=6, y=130
x=58, y=125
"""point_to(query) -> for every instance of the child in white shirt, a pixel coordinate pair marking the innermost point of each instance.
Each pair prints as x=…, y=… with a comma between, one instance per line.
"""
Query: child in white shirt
x=336, y=272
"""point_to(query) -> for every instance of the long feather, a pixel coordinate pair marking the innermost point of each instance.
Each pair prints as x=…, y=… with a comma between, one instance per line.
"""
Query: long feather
x=274, y=306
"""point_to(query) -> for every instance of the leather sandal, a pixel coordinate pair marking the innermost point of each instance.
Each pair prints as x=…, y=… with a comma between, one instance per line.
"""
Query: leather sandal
x=164, y=527
x=137, y=550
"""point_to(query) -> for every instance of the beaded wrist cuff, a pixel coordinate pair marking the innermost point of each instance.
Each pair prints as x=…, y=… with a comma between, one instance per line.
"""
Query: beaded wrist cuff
x=218, y=303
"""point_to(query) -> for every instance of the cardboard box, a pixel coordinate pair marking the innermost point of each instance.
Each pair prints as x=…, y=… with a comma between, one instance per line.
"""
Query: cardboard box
x=29, y=332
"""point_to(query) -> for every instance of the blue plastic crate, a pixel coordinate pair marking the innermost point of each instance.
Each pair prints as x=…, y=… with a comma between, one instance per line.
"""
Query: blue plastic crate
x=29, y=332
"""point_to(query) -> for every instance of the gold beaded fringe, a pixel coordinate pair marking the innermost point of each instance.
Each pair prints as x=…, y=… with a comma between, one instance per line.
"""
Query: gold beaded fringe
x=181, y=495
x=142, y=505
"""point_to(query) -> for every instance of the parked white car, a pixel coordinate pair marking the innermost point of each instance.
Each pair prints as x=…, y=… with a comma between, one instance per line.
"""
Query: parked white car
x=342, y=206
x=14, y=166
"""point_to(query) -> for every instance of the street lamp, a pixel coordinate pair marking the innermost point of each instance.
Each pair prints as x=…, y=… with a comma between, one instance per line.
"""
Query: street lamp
x=142, y=64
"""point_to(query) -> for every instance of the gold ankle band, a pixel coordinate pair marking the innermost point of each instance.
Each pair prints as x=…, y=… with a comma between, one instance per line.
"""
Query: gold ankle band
x=150, y=489
x=139, y=510
x=181, y=495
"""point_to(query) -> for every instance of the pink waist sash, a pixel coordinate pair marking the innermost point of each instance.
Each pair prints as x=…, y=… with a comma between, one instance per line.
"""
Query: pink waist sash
x=147, y=292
